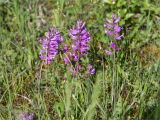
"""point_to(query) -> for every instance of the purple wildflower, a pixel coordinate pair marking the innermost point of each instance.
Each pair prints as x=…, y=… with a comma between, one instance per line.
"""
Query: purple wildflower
x=80, y=45
x=80, y=37
x=113, y=45
x=65, y=49
x=112, y=28
x=26, y=116
x=50, y=45
x=91, y=70
x=74, y=56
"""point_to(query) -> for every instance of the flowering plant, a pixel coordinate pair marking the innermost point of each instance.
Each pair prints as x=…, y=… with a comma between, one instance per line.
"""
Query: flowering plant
x=113, y=30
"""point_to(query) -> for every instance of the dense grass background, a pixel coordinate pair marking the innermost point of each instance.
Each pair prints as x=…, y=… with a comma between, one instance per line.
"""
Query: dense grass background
x=132, y=77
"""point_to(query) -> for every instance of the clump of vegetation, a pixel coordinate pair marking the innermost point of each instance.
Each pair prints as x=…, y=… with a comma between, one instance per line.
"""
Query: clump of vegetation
x=103, y=67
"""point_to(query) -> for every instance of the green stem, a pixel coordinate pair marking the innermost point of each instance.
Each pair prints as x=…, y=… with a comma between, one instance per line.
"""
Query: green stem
x=113, y=83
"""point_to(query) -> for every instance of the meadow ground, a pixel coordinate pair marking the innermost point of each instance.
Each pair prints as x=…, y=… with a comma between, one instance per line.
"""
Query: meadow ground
x=126, y=84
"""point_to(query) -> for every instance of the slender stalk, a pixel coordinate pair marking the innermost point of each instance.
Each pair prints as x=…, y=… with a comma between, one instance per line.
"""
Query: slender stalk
x=113, y=94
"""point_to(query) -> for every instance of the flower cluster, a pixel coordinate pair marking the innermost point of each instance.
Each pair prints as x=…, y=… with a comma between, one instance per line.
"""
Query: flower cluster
x=91, y=70
x=26, y=116
x=80, y=46
x=80, y=37
x=113, y=30
x=50, y=45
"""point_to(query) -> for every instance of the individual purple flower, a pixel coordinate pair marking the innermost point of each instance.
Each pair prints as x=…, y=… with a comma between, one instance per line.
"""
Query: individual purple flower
x=74, y=56
x=80, y=37
x=91, y=70
x=50, y=45
x=26, y=116
x=113, y=45
x=112, y=28
x=65, y=48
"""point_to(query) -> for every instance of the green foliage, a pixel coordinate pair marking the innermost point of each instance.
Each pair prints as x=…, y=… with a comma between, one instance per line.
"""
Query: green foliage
x=125, y=86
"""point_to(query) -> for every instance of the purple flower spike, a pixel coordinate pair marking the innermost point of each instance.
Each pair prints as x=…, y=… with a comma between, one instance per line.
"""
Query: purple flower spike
x=91, y=70
x=50, y=45
x=112, y=28
x=26, y=116
x=79, y=48
x=80, y=37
